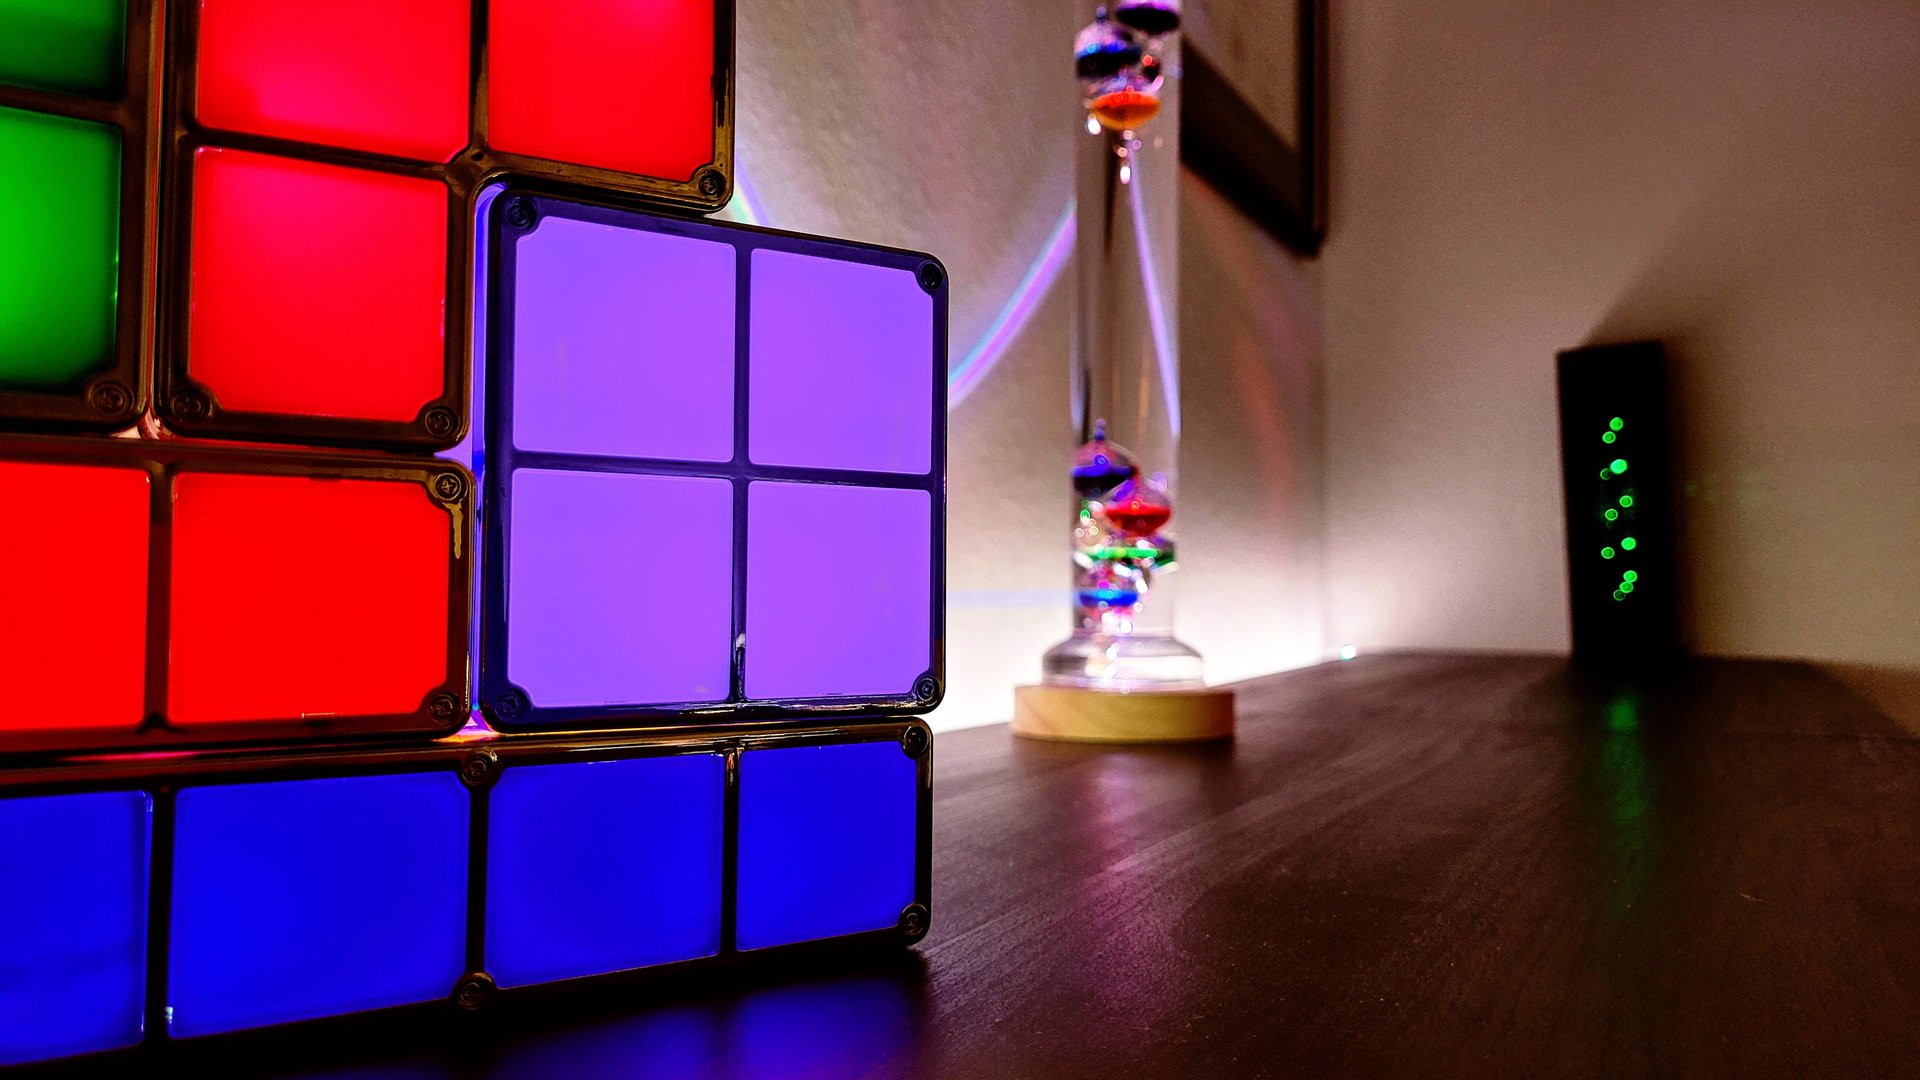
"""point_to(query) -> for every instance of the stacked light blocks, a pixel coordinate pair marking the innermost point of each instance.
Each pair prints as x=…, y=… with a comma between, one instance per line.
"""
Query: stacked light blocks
x=261, y=261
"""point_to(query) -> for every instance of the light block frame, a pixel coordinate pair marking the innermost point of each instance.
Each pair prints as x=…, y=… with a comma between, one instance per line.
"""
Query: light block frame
x=443, y=709
x=518, y=209
x=191, y=409
x=115, y=397
x=478, y=760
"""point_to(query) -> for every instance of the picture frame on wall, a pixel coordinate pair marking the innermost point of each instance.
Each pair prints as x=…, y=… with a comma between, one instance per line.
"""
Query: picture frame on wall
x=1253, y=114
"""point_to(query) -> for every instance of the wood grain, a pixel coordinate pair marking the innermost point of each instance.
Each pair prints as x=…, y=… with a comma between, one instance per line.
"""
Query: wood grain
x=1472, y=866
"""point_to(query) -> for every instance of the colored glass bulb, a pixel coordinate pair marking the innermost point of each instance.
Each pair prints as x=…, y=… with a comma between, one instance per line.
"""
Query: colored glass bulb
x=1103, y=50
x=1153, y=17
x=1101, y=466
x=1137, y=509
x=1125, y=109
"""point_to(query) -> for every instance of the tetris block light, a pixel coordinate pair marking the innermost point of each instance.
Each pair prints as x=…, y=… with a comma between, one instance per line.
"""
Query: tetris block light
x=714, y=471
x=323, y=162
x=170, y=900
x=74, y=84
x=159, y=594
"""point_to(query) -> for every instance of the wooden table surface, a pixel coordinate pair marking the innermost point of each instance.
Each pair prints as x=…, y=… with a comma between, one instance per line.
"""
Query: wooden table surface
x=1417, y=865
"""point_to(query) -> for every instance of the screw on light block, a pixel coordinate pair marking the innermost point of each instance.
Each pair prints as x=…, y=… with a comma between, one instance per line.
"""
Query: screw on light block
x=473, y=993
x=444, y=707
x=913, y=921
x=511, y=705
x=710, y=183
x=931, y=276
x=448, y=486
x=913, y=742
x=926, y=689
x=110, y=398
x=191, y=406
x=479, y=768
x=520, y=214
x=440, y=421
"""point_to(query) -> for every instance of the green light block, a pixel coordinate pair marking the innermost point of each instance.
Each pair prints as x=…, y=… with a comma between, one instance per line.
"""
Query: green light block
x=75, y=46
x=59, y=249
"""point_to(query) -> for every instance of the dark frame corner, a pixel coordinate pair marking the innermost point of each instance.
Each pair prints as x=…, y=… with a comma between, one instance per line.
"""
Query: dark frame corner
x=1225, y=140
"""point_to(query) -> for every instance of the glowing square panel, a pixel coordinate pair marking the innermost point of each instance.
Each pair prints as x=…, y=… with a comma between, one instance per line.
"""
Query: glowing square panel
x=628, y=344
x=619, y=588
x=623, y=343
x=59, y=249
x=390, y=78
x=73, y=924
x=75, y=46
x=856, y=624
x=300, y=899
x=73, y=622
x=841, y=377
x=305, y=597
x=603, y=866
x=626, y=85
x=316, y=290
x=829, y=841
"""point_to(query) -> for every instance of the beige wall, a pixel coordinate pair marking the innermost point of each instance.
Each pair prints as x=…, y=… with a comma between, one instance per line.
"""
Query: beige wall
x=1738, y=177
x=945, y=127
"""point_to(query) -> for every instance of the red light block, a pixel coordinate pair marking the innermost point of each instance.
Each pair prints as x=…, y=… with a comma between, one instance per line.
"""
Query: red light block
x=614, y=84
x=73, y=596
x=302, y=597
x=316, y=290
x=374, y=75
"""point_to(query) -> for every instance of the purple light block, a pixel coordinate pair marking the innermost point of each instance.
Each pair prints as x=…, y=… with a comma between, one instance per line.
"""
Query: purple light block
x=838, y=590
x=619, y=588
x=841, y=355
x=623, y=343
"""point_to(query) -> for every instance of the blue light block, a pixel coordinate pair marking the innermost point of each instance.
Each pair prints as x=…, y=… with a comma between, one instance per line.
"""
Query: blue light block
x=604, y=866
x=73, y=923
x=828, y=838
x=309, y=898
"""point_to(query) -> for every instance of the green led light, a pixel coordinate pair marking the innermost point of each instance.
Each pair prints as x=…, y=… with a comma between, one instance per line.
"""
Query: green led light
x=1626, y=500
x=1626, y=586
x=1618, y=595
x=59, y=248
x=1606, y=553
x=1616, y=423
x=1613, y=515
x=1630, y=576
x=1619, y=465
x=70, y=45
x=1608, y=436
x=1629, y=544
